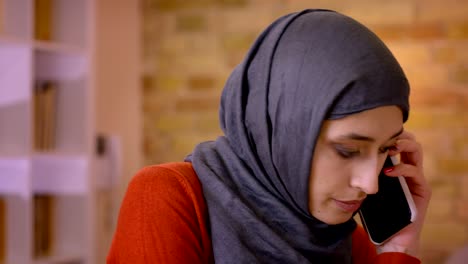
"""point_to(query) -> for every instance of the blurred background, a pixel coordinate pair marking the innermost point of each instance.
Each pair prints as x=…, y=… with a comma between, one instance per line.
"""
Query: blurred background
x=190, y=48
x=141, y=80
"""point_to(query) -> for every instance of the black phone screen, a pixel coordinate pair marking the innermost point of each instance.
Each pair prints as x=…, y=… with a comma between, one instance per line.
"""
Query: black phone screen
x=385, y=213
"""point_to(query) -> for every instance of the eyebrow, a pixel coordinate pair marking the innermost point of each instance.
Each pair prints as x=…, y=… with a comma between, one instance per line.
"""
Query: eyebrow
x=356, y=136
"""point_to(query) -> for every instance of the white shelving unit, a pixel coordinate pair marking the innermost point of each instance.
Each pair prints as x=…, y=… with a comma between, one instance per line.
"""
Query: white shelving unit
x=66, y=172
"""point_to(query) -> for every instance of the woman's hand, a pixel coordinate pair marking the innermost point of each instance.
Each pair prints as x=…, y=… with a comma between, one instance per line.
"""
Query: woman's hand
x=411, y=167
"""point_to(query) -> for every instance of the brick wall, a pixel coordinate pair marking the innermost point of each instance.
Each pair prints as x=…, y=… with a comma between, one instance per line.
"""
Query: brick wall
x=190, y=47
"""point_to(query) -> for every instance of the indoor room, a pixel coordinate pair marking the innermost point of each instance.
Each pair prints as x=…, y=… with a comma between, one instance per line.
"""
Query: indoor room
x=95, y=93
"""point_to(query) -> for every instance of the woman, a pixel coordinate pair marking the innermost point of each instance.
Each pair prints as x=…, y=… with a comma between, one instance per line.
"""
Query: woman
x=308, y=117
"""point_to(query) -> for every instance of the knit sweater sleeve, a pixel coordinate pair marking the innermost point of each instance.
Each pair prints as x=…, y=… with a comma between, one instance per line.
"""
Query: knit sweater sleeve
x=162, y=219
x=364, y=252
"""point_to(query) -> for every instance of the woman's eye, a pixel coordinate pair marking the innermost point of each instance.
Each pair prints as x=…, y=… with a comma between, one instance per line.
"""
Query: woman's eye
x=346, y=152
x=384, y=150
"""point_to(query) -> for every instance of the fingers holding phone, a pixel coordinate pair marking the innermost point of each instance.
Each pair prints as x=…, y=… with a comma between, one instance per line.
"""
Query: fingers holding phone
x=390, y=210
x=411, y=167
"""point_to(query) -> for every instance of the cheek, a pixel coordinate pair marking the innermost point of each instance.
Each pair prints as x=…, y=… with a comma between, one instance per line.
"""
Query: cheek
x=327, y=178
x=329, y=173
x=332, y=183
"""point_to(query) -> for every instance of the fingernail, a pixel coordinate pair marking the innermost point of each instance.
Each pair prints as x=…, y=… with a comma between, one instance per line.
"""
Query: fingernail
x=389, y=169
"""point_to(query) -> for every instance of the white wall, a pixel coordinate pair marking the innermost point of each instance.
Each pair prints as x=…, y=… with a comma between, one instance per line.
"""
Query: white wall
x=118, y=99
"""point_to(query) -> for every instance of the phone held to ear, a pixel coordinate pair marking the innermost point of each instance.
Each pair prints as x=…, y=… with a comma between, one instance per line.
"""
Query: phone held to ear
x=389, y=210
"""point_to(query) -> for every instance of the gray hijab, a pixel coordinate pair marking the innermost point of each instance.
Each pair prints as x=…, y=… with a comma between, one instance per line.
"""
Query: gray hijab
x=304, y=68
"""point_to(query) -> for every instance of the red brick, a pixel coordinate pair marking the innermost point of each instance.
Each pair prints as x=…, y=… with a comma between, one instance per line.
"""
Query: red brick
x=431, y=156
x=412, y=31
x=201, y=82
x=294, y=6
x=147, y=83
x=438, y=98
x=433, y=255
x=463, y=187
x=380, y=12
x=173, y=5
x=420, y=120
x=441, y=11
x=204, y=43
x=461, y=143
x=442, y=199
x=446, y=234
x=458, y=30
x=234, y=42
x=155, y=24
x=234, y=58
x=424, y=77
x=191, y=23
x=199, y=63
x=173, y=123
x=238, y=20
x=460, y=76
x=462, y=210
x=365, y=11
x=453, y=166
x=232, y=3
x=390, y=32
x=184, y=143
x=154, y=145
x=461, y=51
x=445, y=55
x=169, y=83
x=443, y=135
x=197, y=104
x=426, y=31
x=157, y=103
x=172, y=46
x=206, y=123
x=147, y=146
x=411, y=54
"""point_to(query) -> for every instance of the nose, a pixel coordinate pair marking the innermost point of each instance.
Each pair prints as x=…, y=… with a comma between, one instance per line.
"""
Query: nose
x=366, y=176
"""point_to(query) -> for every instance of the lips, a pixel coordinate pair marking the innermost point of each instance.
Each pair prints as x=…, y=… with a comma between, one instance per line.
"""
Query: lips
x=348, y=206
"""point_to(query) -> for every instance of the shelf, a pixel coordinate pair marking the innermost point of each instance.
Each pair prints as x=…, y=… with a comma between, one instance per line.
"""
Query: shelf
x=72, y=117
x=57, y=47
x=47, y=138
x=71, y=259
x=3, y=228
x=17, y=18
x=65, y=15
x=57, y=62
x=15, y=127
x=69, y=230
x=59, y=231
x=18, y=229
x=103, y=169
x=60, y=174
x=12, y=41
x=14, y=176
x=66, y=117
x=14, y=69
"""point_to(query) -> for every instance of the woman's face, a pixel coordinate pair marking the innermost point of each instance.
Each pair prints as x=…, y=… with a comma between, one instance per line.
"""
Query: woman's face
x=348, y=157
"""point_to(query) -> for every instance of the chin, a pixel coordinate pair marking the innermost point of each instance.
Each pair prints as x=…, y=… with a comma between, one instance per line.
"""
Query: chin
x=334, y=219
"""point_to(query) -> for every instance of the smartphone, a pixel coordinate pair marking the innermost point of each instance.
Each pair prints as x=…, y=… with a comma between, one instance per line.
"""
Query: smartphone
x=389, y=210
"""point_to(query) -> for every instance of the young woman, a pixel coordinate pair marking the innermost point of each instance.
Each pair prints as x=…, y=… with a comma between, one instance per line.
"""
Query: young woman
x=308, y=117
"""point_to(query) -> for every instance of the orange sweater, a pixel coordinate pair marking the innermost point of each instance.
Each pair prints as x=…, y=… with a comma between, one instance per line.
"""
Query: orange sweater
x=163, y=220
